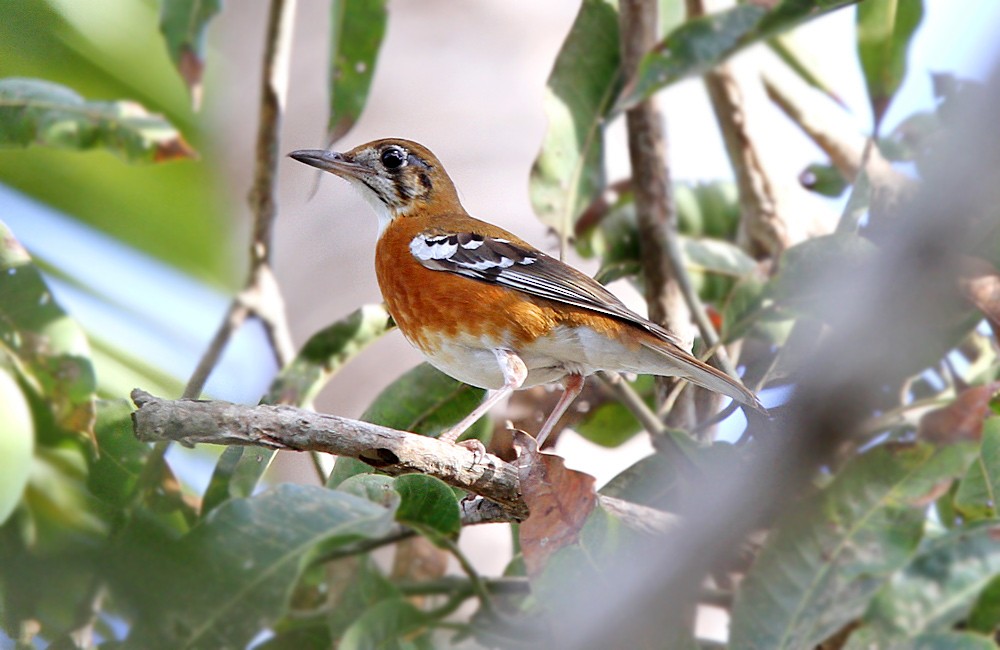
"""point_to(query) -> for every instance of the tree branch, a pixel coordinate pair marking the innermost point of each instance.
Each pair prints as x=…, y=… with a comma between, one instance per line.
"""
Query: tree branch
x=828, y=126
x=764, y=231
x=669, y=291
x=654, y=204
x=390, y=451
x=260, y=296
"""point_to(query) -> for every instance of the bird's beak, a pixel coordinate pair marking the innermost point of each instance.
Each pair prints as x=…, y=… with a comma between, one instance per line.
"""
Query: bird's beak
x=329, y=161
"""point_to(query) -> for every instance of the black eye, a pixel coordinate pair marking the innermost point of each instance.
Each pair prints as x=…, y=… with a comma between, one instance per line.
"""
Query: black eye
x=393, y=158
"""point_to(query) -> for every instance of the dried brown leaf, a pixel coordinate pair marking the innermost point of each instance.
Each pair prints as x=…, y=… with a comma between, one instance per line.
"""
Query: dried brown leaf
x=960, y=420
x=558, y=498
x=980, y=284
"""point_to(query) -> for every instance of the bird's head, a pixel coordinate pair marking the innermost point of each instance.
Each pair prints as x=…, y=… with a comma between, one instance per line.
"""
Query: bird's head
x=395, y=176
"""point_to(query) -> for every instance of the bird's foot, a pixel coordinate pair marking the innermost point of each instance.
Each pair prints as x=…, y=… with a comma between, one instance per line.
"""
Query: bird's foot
x=475, y=445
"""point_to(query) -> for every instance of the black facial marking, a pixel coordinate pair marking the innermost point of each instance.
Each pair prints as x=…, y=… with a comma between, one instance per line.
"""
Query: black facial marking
x=376, y=189
x=425, y=180
x=418, y=162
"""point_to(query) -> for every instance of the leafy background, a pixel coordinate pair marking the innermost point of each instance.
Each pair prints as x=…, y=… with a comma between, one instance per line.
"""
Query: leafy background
x=192, y=216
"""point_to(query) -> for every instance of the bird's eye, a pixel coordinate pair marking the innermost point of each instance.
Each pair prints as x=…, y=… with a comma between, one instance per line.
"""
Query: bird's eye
x=393, y=158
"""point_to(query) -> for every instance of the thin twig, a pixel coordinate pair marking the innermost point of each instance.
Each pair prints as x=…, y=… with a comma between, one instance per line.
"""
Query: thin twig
x=232, y=321
x=450, y=584
x=828, y=126
x=260, y=296
x=656, y=212
x=632, y=401
x=478, y=585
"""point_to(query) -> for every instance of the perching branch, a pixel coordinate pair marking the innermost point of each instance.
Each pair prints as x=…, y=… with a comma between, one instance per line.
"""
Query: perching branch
x=390, y=451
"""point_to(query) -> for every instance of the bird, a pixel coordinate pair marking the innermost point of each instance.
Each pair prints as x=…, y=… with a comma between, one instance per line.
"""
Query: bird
x=488, y=308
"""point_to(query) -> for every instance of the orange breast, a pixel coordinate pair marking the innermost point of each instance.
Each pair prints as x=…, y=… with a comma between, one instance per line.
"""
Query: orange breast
x=427, y=303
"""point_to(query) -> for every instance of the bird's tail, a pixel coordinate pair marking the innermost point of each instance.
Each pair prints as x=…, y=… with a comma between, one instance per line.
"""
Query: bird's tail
x=678, y=363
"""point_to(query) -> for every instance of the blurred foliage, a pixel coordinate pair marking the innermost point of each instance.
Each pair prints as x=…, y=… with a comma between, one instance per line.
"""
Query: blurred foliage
x=98, y=536
x=176, y=212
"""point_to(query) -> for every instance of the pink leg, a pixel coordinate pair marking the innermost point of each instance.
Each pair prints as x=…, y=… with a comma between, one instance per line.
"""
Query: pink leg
x=514, y=374
x=574, y=385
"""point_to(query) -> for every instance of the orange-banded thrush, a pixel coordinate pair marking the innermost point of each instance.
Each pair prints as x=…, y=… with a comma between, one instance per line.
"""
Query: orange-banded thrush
x=485, y=306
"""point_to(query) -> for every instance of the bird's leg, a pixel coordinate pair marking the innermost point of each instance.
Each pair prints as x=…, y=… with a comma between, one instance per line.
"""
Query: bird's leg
x=514, y=373
x=573, y=388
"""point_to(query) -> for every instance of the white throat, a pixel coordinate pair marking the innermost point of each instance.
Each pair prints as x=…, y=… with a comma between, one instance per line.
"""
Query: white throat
x=382, y=212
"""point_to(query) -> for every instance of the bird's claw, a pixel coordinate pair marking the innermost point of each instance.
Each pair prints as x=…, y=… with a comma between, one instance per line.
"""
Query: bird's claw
x=476, y=447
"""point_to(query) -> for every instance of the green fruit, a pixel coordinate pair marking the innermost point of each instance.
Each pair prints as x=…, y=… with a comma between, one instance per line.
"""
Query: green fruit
x=720, y=209
x=689, y=219
x=17, y=443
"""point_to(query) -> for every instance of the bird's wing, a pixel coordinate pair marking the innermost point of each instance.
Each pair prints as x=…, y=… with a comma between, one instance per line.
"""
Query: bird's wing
x=516, y=266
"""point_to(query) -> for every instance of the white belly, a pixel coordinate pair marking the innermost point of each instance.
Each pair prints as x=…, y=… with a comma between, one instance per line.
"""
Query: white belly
x=564, y=351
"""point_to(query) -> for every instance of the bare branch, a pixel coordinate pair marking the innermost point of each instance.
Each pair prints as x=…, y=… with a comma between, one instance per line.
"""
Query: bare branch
x=669, y=291
x=391, y=451
x=764, y=231
x=762, y=228
x=260, y=296
x=655, y=209
x=826, y=124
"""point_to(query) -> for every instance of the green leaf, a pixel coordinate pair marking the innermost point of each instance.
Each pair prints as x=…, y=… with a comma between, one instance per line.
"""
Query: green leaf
x=609, y=425
x=700, y=44
x=660, y=480
x=325, y=353
x=979, y=491
x=806, y=270
x=299, y=638
x=183, y=24
x=939, y=586
x=425, y=401
x=120, y=457
x=377, y=488
x=62, y=508
x=884, y=29
x=17, y=443
x=186, y=209
x=569, y=171
x=357, y=27
x=365, y=587
x=866, y=638
x=617, y=241
x=428, y=505
x=821, y=566
x=48, y=347
x=985, y=614
x=384, y=625
x=47, y=114
x=581, y=563
x=715, y=256
x=787, y=49
x=231, y=576
x=239, y=469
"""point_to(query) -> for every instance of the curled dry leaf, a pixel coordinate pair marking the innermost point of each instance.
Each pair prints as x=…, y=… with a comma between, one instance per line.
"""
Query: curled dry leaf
x=559, y=499
x=960, y=420
x=980, y=285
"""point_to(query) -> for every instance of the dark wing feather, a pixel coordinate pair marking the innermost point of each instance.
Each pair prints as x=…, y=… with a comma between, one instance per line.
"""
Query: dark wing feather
x=505, y=263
